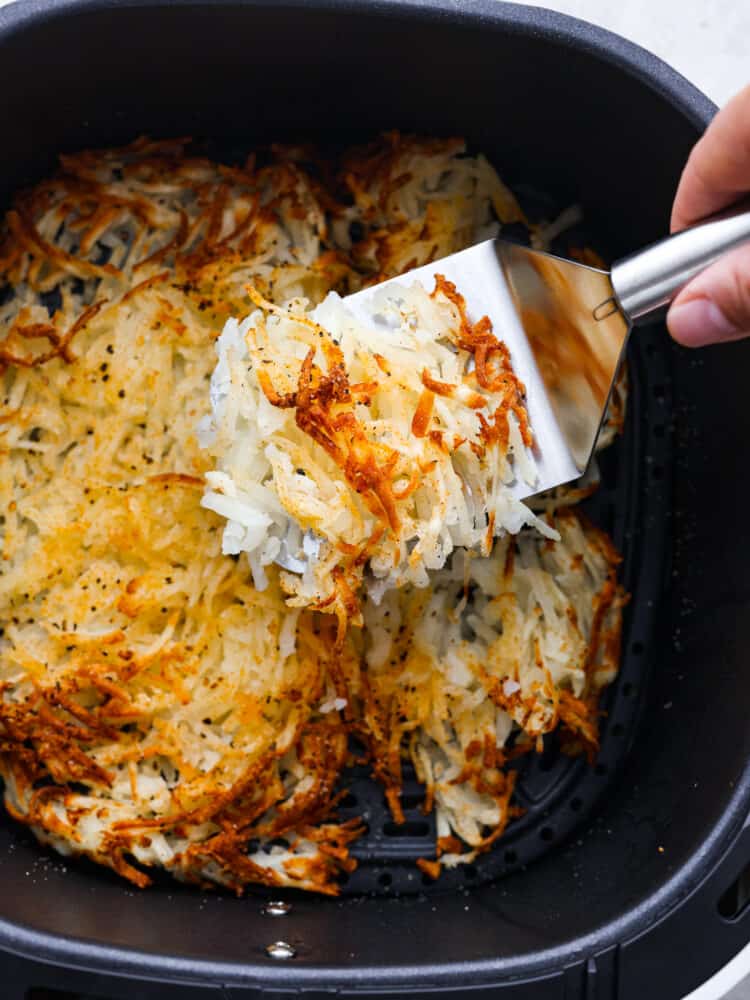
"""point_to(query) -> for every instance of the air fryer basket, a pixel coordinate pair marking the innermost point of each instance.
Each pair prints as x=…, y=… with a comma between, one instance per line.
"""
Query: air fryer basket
x=612, y=881
x=558, y=793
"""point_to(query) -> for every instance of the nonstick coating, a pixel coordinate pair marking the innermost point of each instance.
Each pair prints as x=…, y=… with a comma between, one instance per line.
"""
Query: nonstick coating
x=626, y=907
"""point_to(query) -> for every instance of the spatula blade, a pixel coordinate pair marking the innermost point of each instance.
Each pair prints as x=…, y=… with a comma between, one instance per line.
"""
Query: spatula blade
x=564, y=332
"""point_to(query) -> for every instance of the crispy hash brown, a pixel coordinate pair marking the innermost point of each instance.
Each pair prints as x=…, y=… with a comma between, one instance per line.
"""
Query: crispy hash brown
x=156, y=709
x=391, y=446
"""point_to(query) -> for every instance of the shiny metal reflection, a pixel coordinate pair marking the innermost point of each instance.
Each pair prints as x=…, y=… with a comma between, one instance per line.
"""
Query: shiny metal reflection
x=542, y=307
x=280, y=950
x=577, y=335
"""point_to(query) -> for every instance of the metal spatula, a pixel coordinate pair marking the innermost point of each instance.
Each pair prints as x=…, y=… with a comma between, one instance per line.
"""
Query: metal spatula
x=567, y=324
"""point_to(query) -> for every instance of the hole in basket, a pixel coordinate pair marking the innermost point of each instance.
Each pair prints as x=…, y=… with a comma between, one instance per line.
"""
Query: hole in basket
x=349, y=801
x=550, y=755
x=413, y=828
x=736, y=899
x=606, y=519
x=628, y=689
x=516, y=232
x=609, y=470
x=618, y=729
x=411, y=800
x=637, y=648
x=658, y=430
x=601, y=769
x=52, y=301
x=576, y=805
x=659, y=392
x=511, y=857
x=385, y=880
x=547, y=833
x=470, y=871
x=657, y=472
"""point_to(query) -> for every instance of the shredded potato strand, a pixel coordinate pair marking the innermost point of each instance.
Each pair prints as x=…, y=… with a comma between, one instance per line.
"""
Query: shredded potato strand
x=391, y=446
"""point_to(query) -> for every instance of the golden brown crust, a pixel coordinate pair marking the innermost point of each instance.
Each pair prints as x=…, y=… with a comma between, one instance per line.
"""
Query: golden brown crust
x=121, y=615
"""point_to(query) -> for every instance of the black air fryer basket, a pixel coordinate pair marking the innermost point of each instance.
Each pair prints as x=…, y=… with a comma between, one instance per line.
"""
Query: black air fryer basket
x=622, y=880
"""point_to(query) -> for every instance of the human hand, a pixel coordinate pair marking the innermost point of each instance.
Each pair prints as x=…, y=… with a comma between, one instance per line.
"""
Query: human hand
x=715, y=306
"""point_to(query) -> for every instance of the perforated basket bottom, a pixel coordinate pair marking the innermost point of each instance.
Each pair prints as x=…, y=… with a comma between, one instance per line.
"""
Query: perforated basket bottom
x=557, y=792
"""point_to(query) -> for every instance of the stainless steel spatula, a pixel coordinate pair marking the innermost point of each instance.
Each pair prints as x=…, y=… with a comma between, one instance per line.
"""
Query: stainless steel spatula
x=567, y=324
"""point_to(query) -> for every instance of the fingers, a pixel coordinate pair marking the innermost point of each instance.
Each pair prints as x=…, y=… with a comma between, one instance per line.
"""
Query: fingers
x=718, y=169
x=715, y=306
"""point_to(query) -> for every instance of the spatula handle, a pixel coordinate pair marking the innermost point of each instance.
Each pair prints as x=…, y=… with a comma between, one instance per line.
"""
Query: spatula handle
x=646, y=281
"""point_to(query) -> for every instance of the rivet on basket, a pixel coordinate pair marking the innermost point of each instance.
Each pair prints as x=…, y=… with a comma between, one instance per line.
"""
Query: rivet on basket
x=280, y=950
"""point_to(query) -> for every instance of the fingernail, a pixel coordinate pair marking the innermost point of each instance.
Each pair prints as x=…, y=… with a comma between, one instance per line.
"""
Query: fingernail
x=698, y=322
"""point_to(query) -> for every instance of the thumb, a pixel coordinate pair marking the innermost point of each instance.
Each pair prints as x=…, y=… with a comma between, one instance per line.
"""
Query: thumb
x=715, y=305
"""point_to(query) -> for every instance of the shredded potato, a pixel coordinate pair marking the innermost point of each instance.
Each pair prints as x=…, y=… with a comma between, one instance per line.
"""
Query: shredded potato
x=157, y=709
x=391, y=445
x=511, y=645
x=152, y=708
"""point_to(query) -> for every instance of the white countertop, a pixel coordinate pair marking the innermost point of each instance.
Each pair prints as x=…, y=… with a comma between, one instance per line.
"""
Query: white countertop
x=708, y=41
